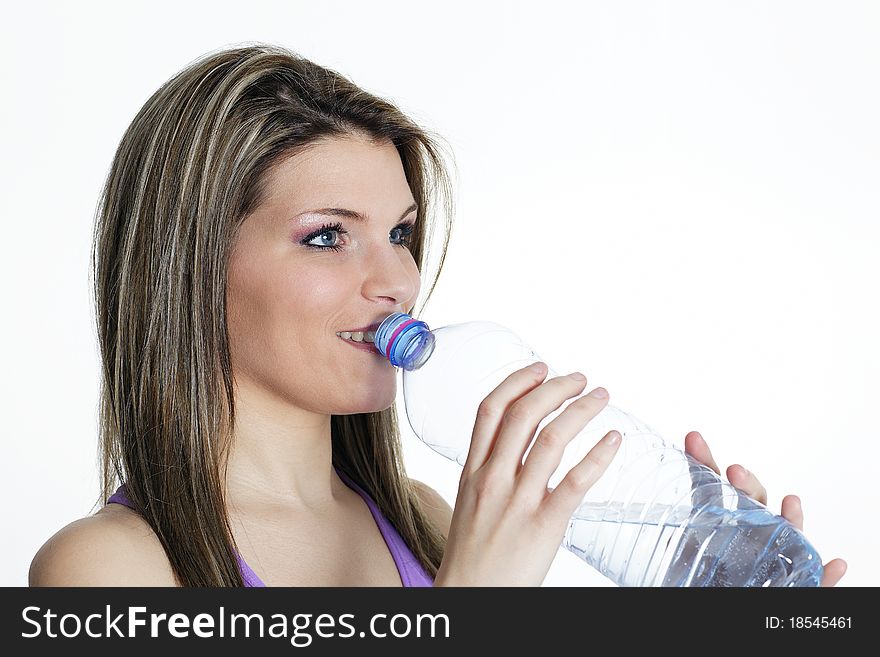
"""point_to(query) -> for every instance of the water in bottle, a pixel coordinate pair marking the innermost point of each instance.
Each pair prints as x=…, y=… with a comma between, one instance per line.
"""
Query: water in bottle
x=656, y=516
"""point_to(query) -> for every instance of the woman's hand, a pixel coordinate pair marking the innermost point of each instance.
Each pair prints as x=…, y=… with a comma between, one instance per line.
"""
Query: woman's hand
x=507, y=525
x=696, y=446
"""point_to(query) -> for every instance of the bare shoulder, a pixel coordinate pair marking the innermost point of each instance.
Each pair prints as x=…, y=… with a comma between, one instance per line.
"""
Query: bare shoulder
x=113, y=547
x=435, y=505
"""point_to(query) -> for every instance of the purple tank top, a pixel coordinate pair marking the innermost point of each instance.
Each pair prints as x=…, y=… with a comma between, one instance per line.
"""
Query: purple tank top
x=411, y=571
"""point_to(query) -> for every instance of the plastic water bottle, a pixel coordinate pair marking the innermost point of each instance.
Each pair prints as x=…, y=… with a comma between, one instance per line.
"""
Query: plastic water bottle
x=656, y=516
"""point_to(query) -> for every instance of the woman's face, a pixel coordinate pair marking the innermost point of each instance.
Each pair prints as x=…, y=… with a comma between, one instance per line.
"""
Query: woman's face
x=287, y=296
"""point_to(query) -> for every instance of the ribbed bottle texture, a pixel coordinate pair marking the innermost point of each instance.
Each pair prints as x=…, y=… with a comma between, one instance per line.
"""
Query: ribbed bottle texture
x=656, y=517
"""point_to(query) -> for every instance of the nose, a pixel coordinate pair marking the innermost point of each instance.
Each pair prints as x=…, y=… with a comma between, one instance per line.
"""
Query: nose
x=392, y=273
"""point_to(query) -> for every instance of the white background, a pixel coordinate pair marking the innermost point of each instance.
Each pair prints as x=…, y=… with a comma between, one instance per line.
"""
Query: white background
x=679, y=199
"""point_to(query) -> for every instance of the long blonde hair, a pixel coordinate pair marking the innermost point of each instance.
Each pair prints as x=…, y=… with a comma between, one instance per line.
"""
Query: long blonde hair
x=188, y=170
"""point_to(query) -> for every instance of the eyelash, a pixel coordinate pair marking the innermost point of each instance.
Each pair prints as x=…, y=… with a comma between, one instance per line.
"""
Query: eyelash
x=406, y=229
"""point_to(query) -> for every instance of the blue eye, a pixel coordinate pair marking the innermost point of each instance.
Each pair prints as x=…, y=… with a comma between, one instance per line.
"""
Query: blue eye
x=405, y=229
x=326, y=229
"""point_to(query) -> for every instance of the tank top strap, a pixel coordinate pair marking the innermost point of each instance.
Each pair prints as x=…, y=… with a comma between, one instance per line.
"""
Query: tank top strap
x=412, y=574
x=121, y=497
x=411, y=571
x=249, y=576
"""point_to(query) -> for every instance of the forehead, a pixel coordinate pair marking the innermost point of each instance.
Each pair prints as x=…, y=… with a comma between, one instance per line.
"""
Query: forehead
x=339, y=172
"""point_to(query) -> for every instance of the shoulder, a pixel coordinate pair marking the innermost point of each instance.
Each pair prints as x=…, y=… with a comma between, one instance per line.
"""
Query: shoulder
x=113, y=547
x=435, y=506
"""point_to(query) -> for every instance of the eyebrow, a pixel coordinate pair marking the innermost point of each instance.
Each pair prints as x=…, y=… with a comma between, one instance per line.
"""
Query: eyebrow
x=351, y=214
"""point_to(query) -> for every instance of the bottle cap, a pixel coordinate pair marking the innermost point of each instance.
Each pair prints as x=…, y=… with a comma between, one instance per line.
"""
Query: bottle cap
x=406, y=342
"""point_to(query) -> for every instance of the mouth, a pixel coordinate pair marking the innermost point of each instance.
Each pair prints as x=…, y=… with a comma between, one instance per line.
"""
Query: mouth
x=361, y=334
x=363, y=345
x=371, y=329
x=366, y=334
x=361, y=338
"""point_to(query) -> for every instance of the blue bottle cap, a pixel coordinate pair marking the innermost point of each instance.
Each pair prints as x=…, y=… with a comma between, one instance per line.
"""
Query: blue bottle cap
x=404, y=341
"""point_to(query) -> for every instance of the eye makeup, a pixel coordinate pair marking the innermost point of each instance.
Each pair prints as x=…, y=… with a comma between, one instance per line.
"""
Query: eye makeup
x=406, y=229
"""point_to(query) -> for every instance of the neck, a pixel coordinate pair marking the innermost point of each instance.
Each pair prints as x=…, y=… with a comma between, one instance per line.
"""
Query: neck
x=279, y=453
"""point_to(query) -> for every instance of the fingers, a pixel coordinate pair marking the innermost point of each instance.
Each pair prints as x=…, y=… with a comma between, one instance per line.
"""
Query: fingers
x=567, y=496
x=792, y=511
x=492, y=410
x=748, y=483
x=696, y=446
x=737, y=475
x=546, y=454
x=525, y=414
x=833, y=571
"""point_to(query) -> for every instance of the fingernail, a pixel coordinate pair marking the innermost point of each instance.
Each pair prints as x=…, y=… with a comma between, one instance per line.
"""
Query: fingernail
x=577, y=376
x=599, y=393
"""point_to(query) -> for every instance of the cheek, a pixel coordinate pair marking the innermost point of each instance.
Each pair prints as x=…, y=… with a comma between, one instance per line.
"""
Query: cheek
x=255, y=297
x=310, y=296
x=247, y=310
x=274, y=316
x=282, y=339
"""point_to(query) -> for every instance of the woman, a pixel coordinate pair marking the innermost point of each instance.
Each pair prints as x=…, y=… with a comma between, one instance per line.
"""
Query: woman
x=261, y=213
